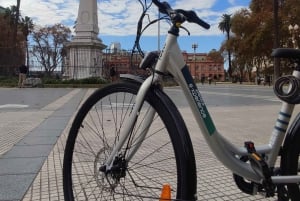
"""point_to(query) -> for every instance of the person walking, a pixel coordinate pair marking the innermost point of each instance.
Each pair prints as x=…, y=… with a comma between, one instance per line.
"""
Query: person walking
x=113, y=74
x=22, y=75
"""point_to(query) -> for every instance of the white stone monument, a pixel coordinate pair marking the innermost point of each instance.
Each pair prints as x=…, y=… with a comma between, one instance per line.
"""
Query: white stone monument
x=84, y=52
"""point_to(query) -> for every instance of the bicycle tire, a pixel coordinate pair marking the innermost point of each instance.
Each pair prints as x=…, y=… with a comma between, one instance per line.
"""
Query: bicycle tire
x=290, y=160
x=172, y=155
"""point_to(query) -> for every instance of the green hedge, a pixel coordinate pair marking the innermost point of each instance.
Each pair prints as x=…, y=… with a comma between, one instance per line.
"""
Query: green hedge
x=92, y=80
x=9, y=81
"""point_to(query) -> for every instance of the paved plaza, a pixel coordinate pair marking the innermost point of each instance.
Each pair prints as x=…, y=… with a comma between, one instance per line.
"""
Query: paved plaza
x=32, y=147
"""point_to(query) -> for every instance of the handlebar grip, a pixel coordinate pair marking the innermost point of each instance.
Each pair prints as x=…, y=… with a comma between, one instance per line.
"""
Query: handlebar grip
x=195, y=19
x=204, y=24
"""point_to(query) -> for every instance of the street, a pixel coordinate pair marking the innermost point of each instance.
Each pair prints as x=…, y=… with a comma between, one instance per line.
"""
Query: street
x=229, y=95
x=213, y=95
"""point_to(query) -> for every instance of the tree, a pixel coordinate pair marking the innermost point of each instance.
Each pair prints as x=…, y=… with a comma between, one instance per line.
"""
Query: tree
x=215, y=56
x=11, y=17
x=12, y=51
x=276, y=39
x=225, y=27
x=262, y=35
x=17, y=18
x=253, y=35
x=252, y=40
x=48, y=45
x=27, y=27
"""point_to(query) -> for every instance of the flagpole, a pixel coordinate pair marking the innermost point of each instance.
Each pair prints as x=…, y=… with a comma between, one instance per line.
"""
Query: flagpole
x=158, y=32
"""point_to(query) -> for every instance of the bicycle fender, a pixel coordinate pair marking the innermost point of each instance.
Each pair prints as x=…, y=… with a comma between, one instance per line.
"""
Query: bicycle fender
x=131, y=77
x=293, y=134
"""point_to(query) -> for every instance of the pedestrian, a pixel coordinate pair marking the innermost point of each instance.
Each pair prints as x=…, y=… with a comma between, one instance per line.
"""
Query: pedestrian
x=202, y=80
x=22, y=75
x=268, y=80
x=112, y=74
x=209, y=80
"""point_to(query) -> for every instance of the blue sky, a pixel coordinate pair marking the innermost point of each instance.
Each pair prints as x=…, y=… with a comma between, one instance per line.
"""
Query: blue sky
x=118, y=18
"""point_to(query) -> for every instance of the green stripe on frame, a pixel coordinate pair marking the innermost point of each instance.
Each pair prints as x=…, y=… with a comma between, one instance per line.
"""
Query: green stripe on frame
x=199, y=101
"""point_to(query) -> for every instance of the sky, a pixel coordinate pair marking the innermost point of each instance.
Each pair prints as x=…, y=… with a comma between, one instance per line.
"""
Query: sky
x=118, y=19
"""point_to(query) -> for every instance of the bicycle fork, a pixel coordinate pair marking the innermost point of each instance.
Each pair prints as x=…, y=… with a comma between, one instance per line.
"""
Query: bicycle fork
x=130, y=124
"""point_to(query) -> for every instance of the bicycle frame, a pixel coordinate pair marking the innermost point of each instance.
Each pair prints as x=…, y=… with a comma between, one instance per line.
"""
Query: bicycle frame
x=171, y=60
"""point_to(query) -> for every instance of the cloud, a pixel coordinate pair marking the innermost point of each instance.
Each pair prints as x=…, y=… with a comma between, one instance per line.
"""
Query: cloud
x=119, y=17
x=195, y=5
x=232, y=2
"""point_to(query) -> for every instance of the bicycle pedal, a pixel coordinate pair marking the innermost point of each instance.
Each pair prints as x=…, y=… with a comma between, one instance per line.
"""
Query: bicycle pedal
x=260, y=166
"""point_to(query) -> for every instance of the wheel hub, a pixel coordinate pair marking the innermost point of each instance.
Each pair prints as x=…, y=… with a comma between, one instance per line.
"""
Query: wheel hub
x=109, y=178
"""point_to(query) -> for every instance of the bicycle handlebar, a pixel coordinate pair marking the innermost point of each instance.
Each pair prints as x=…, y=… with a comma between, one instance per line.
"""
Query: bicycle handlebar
x=190, y=16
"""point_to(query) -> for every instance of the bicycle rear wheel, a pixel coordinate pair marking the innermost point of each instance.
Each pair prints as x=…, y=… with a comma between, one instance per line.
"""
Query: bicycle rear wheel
x=290, y=166
x=290, y=161
x=165, y=156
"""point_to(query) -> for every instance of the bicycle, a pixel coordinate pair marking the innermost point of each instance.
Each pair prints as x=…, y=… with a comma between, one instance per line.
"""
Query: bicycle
x=128, y=139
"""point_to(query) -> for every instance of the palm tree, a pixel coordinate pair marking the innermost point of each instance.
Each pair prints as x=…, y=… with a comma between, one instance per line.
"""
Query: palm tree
x=13, y=15
x=18, y=11
x=17, y=18
x=10, y=15
x=27, y=27
x=225, y=27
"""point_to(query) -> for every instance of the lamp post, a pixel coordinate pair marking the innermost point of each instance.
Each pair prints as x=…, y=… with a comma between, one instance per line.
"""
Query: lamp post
x=294, y=29
x=195, y=46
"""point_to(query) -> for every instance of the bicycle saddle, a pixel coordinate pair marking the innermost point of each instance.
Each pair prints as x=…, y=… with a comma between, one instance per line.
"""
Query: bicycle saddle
x=289, y=53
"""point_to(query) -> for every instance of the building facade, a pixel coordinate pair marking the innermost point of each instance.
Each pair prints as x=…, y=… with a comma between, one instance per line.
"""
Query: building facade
x=122, y=61
x=201, y=65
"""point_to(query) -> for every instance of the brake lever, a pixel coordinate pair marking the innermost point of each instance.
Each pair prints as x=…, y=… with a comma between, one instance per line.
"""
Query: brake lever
x=164, y=7
x=188, y=32
x=191, y=16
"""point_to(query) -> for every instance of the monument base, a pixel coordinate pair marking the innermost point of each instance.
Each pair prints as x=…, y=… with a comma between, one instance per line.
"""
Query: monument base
x=85, y=60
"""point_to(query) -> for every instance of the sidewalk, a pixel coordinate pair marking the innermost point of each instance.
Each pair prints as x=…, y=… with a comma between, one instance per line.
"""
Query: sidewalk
x=31, y=169
x=29, y=142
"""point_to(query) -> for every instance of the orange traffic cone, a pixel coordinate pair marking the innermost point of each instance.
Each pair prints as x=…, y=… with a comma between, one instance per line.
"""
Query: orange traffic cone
x=165, y=192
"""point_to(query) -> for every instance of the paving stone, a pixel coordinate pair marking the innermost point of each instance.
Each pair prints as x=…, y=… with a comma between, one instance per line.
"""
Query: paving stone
x=37, y=140
x=15, y=186
x=29, y=151
x=20, y=165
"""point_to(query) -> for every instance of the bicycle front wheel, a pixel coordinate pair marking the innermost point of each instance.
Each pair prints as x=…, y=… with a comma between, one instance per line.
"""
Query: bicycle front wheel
x=164, y=157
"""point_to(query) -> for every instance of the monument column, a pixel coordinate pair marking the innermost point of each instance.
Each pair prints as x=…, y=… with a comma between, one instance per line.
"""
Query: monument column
x=84, y=58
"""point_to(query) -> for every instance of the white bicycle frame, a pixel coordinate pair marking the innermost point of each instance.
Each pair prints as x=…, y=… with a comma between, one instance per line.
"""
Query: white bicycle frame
x=171, y=60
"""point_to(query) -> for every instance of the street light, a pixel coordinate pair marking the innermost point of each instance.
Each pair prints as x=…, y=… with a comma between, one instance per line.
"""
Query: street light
x=294, y=31
x=195, y=46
